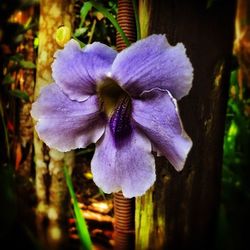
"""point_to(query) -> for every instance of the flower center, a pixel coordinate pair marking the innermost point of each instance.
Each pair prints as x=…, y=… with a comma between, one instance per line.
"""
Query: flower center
x=110, y=94
x=117, y=105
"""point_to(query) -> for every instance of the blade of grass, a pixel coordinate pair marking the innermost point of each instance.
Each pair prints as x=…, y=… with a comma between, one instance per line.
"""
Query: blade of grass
x=92, y=31
x=84, y=12
x=80, y=221
x=105, y=12
x=138, y=28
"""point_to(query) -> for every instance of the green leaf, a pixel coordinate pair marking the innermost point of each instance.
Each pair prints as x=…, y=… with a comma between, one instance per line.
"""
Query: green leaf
x=19, y=38
x=80, y=221
x=8, y=79
x=110, y=17
x=87, y=6
x=233, y=129
x=80, y=31
x=27, y=24
x=27, y=64
x=17, y=57
x=36, y=42
x=234, y=77
x=19, y=94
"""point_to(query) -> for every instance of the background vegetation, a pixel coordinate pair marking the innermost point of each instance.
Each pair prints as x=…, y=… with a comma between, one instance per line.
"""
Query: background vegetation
x=17, y=193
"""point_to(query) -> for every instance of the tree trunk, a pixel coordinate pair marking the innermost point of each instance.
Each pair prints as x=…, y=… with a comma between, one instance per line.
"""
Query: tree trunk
x=180, y=211
x=50, y=182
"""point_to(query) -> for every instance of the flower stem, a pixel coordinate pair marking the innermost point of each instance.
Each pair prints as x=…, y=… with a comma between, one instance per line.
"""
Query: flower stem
x=92, y=31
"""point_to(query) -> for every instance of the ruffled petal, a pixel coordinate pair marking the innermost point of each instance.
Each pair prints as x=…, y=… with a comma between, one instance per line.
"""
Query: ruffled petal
x=156, y=114
x=78, y=70
x=64, y=124
x=129, y=167
x=153, y=63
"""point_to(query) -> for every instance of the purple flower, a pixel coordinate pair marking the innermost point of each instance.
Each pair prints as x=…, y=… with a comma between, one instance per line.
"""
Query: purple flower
x=125, y=103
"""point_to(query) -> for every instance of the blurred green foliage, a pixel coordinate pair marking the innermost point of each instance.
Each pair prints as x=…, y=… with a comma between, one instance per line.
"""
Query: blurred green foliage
x=235, y=198
x=91, y=24
x=13, y=230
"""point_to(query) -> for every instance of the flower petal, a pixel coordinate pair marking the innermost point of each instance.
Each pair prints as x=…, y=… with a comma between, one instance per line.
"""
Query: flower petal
x=129, y=167
x=156, y=114
x=78, y=70
x=153, y=63
x=64, y=124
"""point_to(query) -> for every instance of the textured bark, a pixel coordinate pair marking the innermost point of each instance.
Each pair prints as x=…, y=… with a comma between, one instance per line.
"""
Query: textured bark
x=180, y=211
x=50, y=182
